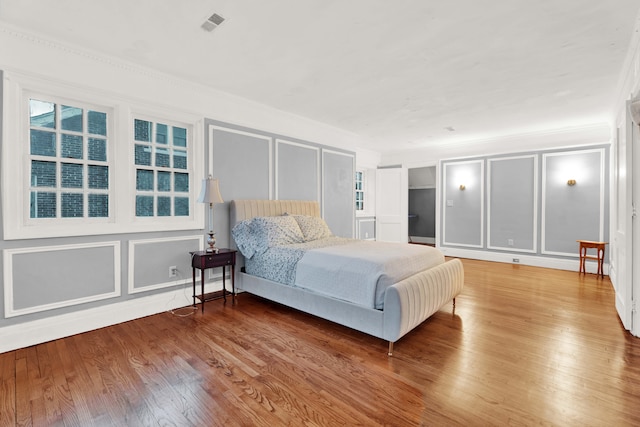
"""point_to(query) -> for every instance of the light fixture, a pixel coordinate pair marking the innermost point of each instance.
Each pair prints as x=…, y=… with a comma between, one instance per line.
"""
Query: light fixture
x=571, y=182
x=210, y=193
x=462, y=187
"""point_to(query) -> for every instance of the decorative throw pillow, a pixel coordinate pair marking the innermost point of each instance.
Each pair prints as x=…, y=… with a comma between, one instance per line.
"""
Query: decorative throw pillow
x=246, y=240
x=275, y=231
x=313, y=227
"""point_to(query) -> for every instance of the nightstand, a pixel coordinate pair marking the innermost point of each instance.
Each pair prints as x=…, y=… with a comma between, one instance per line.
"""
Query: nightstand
x=204, y=260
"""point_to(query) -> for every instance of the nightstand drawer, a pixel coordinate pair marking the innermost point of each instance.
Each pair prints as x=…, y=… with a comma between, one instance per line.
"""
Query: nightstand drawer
x=209, y=260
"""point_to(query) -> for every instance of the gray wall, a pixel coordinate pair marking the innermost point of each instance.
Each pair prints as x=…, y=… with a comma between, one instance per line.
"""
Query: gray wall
x=255, y=164
x=422, y=204
x=522, y=202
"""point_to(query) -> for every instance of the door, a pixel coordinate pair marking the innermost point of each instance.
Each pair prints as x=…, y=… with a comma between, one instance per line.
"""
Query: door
x=621, y=271
x=392, y=205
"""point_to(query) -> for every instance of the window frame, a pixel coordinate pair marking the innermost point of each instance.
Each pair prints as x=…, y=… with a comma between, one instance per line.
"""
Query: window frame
x=17, y=87
x=59, y=160
x=361, y=191
x=191, y=194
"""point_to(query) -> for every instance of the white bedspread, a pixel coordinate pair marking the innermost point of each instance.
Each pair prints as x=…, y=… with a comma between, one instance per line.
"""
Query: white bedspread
x=360, y=272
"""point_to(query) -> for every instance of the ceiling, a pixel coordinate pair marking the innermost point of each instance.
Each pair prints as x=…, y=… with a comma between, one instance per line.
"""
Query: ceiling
x=401, y=74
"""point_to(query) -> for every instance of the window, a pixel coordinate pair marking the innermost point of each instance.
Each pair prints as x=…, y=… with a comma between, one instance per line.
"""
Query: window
x=162, y=176
x=69, y=166
x=359, y=190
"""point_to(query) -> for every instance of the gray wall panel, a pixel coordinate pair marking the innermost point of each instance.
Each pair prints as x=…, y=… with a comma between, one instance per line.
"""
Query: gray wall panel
x=148, y=256
x=338, y=174
x=298, y=171
x=572, y=212
x=41, y=278
x=512, y=203
x=242, y=163
x=366, y=228
x=463, y=209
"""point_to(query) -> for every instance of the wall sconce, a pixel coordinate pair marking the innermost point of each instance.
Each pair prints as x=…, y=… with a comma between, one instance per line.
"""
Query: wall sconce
x=462, y=187
x=571, y=182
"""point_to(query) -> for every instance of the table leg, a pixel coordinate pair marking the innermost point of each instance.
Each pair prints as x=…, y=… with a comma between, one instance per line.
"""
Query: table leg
x=224, y=286
x=233, y=284
x=193, y=270
x=202, y=287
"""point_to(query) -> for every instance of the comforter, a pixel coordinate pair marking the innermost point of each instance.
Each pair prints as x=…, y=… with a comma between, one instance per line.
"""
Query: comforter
x=351, y=270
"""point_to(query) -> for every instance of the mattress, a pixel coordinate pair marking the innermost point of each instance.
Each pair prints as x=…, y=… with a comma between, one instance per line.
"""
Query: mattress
x=352, y=270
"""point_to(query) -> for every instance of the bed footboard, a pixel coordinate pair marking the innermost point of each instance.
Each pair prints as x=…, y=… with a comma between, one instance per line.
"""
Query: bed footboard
x=412, y=300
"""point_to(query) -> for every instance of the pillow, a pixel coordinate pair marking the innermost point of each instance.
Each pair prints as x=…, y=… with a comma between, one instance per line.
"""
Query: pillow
x=246, y=240
x=275, y=231
x=313, y=227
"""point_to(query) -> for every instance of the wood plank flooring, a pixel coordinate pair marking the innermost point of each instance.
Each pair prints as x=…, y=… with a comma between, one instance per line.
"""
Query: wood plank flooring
x=525, y=346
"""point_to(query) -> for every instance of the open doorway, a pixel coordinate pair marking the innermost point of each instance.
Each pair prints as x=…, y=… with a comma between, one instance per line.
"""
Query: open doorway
x=422, y=205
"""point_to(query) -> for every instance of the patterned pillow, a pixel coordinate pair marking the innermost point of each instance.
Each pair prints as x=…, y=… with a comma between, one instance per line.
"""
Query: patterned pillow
x=246, y=240
x=275, y=231
x=313, y=227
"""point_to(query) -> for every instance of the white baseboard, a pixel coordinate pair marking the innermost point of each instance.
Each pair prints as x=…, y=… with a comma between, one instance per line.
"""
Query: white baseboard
x=535, y=261
x=51, y=328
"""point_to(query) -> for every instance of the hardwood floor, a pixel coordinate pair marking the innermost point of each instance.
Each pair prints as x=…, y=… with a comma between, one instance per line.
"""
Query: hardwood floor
x=525, y=346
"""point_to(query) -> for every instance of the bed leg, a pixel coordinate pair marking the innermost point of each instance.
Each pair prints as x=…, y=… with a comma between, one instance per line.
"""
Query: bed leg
x=390, y=353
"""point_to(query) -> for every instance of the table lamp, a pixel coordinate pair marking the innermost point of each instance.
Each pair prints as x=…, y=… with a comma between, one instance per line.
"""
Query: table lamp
x=210, y=193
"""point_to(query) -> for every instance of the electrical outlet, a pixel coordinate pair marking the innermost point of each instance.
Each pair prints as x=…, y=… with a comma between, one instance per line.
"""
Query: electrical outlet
x=173, y=271
x=510, y=242
x=516, y=260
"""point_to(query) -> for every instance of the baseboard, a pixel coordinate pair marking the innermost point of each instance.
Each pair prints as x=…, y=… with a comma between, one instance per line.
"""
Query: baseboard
x=534, y=261
x=51, y=328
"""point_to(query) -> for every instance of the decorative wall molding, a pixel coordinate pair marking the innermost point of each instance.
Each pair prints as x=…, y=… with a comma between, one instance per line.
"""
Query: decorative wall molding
x=8, y=254
x=306, y=146
x=448, y=186
x=132, y=289
x=534, y=237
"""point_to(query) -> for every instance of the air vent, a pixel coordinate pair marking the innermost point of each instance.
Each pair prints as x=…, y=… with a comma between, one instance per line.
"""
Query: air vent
x=212, y=22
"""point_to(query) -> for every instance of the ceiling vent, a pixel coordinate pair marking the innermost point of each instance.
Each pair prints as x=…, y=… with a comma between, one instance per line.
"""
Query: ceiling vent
x=212, y=22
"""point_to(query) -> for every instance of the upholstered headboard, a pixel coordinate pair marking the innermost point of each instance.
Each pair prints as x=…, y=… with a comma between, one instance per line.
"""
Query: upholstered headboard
x=239, y=210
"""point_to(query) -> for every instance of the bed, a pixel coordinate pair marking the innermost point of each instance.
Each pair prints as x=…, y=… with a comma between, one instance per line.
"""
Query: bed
x=399, y=301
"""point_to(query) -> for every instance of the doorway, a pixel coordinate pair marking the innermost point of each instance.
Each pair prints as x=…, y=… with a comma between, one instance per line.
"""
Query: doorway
x=422, y=205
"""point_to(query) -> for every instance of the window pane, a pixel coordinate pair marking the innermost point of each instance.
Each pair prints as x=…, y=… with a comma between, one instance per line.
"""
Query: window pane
x=164, y=206
x=144, y=205
x=182, y=206
x=162, y=157
x=164, y=181
x=161, y=133
x=144, y=180
x=43, y=205
x=181, y=182
x=98, y=205
x=72, y=205
x=43, y=143
x=42, y=114
x=99, y=177
x=97, y=123
x=71, y=175
x=179, y=137
x=71, y=146
x=43, y=174
x=71, y=118
x=97, y=149
x=143, y=155
x=180, y=159
x=142, y=129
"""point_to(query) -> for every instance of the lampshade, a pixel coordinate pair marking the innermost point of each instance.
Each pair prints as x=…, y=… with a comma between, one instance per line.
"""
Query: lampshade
x=210, y=192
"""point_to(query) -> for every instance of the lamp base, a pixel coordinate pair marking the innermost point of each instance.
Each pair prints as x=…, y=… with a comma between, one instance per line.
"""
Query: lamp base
x=211, y=241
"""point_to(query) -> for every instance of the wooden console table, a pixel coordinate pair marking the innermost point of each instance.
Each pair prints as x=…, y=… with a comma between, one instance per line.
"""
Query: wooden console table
x=599, y=257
